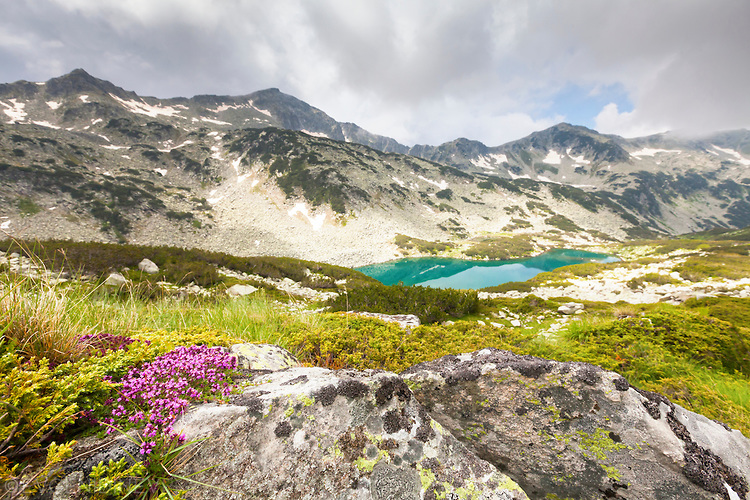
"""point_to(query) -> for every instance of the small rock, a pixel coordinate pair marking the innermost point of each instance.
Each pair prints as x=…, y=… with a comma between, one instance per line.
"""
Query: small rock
x=148, y=266
x=570, y=308
x=115, y=280
x=515, y=322
x=240, y=290
x=263, y=357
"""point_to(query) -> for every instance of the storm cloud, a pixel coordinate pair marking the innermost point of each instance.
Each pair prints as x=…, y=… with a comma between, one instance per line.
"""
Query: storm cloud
x=422, y=71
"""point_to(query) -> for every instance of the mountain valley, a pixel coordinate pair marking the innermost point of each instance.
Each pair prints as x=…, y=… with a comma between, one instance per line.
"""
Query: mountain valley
x=267, y=174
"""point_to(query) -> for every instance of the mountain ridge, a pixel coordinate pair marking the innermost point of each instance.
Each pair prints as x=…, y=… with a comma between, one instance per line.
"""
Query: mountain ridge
x=268, y=173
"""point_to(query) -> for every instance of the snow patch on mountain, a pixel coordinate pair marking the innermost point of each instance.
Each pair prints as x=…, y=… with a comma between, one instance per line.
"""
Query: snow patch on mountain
x=169, y=148
x=442, y=184
x=488, y=162
x=161, y=171
x=14, y=110
x=316, y=221
x=84, y=98
x=142, y=108
x=54, y=105
x=653, y=152
x=315, y=134
x=215, y=122
x=264, y=111
x=45, y=124
x=399, y=182
x=733, y=153
x=552, y=158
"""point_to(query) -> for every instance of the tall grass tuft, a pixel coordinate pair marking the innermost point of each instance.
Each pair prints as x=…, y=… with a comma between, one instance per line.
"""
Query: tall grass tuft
x=36, y=319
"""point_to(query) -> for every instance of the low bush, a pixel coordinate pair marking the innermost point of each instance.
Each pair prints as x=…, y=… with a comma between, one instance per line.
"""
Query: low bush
x=429, y=304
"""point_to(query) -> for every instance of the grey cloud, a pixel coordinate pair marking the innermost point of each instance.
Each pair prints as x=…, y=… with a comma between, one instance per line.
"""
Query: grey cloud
x=424, y=71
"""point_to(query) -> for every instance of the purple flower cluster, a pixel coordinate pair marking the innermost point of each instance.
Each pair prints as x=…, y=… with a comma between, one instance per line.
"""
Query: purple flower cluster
x=160, y=391
x=103, y=342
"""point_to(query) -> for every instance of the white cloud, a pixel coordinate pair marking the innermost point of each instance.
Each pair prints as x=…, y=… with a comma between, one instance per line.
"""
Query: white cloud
x=627, y=123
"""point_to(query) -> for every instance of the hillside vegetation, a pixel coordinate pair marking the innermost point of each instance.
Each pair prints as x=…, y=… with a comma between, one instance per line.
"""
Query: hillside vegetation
x=71, y=347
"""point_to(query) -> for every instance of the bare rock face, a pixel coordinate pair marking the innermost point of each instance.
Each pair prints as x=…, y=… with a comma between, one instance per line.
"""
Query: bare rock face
x=322, y=434
x=573, y=430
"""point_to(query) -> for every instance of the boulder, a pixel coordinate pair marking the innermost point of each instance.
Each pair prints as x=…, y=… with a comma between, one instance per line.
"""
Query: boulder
x=321, y=434
x=570, y=308
x=573, y=430
x=263, y=357
x=239, y=290
x=115, y=280
x=148, y=267
x=405, y=321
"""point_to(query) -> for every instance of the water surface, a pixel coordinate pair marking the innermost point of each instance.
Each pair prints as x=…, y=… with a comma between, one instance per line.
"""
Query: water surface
x=438, y=272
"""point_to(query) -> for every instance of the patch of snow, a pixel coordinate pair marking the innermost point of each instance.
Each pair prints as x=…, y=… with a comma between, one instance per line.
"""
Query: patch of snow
x=53, y=104
x=514, y=176
x=316, y=222
x=107, y=173
x=399, y=182
x=215, y=122
x=486, y=161
x=39, y=83
x=653, y=152
x=552, y=158
x=194, y=119
x=5, y=225
x=264, y=111
x=84, y=98
x=14, y=110
x=315, y=134
x=546, y=179
x=52, y=208
x=214, y=133
x=582, y=186
x=414, y=186
x=46, y=124
x=731, y=152
x=242, y=177
x=236, y=165
x=580, y=159
x=126, y=157
x=112, y=146
x=104, y=137
x=168, y=148
x=254, y=183
x=180, y=106
x=161, y=171
x=442, y=184
x=142, y=108
x=214, y=201
x=98, y=120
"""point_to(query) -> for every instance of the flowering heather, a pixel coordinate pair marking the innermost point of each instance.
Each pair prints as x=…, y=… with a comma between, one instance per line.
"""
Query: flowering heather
x=160, y=391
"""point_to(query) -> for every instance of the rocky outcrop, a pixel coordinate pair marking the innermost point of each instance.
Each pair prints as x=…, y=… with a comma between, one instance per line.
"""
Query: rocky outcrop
x=573, y=430
x=317, y=433
x=485, y=425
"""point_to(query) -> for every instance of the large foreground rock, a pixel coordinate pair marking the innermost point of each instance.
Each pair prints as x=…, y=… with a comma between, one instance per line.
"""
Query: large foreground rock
x=573, y=430
x=312, y=433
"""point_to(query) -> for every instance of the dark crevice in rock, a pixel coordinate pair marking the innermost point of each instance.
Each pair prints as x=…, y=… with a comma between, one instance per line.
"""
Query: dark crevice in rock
x=705, y=468
x=298, y=380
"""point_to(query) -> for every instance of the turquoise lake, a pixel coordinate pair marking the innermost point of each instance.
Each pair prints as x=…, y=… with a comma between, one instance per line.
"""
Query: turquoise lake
x=474, y=274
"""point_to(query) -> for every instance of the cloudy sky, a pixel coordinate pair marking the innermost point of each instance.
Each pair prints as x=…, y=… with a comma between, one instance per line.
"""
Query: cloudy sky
x=421, y=71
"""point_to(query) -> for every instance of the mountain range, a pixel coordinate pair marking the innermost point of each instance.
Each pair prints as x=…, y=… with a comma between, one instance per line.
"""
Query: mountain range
x=266, y=173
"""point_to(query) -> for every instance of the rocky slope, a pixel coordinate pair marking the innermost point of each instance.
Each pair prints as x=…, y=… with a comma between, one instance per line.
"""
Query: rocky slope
x=268, y=174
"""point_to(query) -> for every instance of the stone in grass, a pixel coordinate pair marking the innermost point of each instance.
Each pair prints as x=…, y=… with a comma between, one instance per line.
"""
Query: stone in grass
x=148, y=267
x=570, y=308
x=239, y=290
x=263, y=357
x=323, y=434
x=574, y=430
x=115, y=280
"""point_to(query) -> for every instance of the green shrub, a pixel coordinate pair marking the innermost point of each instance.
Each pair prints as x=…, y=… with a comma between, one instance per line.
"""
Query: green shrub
x=501, y=248
x=429, y=304
x=356, y=342
x=27, y=207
